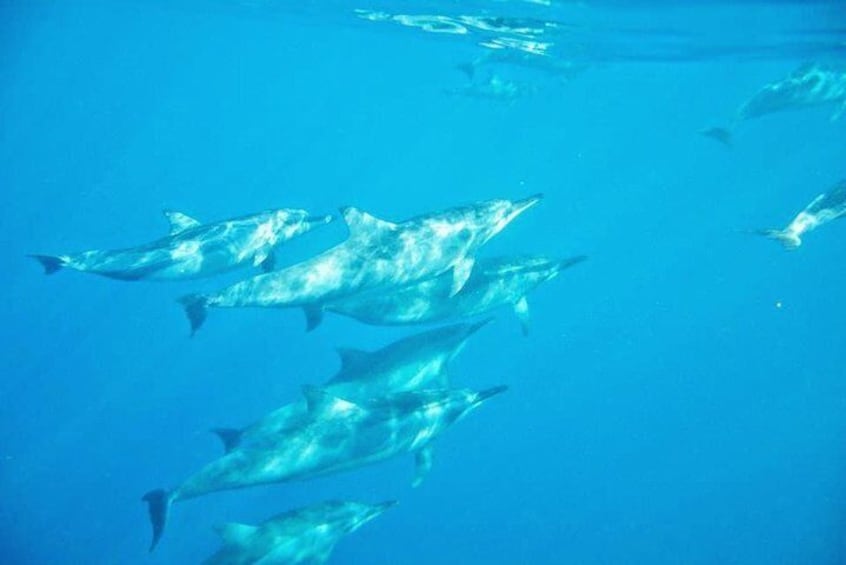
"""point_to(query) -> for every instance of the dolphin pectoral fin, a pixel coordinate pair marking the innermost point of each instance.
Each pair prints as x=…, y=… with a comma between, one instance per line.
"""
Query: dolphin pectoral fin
x=50, y=263
x=723, y=135
x=521, y=309
x=266, y=260
x=196, y=308
x=158, y=503
x=422, y=465
x=179, y=222
x=230, y=437
x=235, y=534
x=314, y=316
x=460, y=273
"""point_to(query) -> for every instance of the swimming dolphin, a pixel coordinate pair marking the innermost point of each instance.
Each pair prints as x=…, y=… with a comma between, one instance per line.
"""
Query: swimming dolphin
x=524, y=59
x=338, y=435
x=418, y=362
x=377, y=254
x=194, y=250
x=822, y=209
x=812, y=84
x=493, y=283
x=306, y=535
x=493, y=87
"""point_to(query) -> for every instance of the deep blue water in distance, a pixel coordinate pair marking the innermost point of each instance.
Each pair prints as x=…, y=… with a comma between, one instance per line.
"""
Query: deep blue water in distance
x=681, y=397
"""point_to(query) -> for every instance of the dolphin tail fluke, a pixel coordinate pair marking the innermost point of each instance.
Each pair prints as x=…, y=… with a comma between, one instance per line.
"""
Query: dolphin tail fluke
x=789, y=240
x=230, y=437
x=723, y=135
x=50, y=263
x=158, y=503
x=196, y=308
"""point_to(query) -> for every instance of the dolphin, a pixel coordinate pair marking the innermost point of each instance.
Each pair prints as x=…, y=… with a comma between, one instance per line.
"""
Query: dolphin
x=418, y=362
x=493, y=87
x=812, y=84
x=193, y=250
x=822, y=209
x=306, y=535
x=493, y=283
x=542, y=62
x=377, y=254
x=338, y=435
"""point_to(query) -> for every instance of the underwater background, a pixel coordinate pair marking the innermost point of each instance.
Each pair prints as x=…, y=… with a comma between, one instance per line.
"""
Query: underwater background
x=681, y=397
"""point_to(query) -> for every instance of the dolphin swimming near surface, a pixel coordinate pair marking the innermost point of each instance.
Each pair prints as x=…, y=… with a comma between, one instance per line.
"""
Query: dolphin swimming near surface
x=812, y=84
x=493, y=283
x=545, y=63
x=338, y=435
x=822, y=209
x=493, y=87
x=418, y=362
x=306, y=535
x=377, y=254
x=194, y=250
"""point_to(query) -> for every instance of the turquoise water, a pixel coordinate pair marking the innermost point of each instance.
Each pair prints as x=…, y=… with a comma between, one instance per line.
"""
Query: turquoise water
x=680, y=396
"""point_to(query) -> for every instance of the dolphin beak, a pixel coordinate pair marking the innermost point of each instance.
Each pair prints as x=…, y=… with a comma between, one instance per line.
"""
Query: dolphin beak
x=483, y=395
x=521, y=206
x=386, y=505
x=473, y=328
x=320, y=219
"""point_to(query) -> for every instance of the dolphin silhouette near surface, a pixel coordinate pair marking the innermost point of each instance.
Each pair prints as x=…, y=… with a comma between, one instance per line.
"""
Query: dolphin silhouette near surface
x=824, y=208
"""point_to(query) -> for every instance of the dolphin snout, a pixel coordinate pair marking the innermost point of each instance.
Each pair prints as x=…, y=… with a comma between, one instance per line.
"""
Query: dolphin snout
x=526, y=203
x=381, y=507
x=320, y=219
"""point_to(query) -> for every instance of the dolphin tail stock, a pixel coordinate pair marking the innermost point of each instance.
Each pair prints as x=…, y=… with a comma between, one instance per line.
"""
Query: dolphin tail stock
x=789, y=240
x=230, y=437
x=196, y=308
x=158, y=504
x=51, y=263
x=720, y=134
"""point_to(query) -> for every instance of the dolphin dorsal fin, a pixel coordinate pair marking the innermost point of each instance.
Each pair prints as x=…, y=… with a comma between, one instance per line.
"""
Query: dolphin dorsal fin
x=234, y=533
x=179, y=222
x=322, y=404
x=359, y=221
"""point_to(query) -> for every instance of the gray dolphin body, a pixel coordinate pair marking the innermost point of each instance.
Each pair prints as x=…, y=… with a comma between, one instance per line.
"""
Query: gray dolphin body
x=822, y=209
x=493, y=87
x=377, y=254
x=306, y=535
x=194, y=250
x=493, y=283
x=418, y=362
x=338, y=435
x=812, y=84
x=565, y=69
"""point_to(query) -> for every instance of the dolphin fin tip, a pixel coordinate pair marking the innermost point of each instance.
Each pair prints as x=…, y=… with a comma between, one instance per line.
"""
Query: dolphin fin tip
x=720, y=134
x=51, y=263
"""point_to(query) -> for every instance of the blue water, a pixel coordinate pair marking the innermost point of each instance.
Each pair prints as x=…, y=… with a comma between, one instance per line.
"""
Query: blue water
x=681, y=397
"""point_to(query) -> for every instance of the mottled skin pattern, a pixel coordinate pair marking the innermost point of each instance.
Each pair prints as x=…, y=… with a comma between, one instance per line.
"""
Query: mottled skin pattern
x=493, y=283
x=338, y=436
x=809, y=85
x=196, y=250
x=414, y=363
x=376, y=254
x=823, y=209
x=305, y=535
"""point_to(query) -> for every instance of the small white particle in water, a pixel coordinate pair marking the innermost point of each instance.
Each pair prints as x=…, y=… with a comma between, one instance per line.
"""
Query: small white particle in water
x=778, y=304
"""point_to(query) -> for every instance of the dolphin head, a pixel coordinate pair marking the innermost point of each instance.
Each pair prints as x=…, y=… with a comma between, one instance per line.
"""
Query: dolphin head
x=803, y=87
x=527, y=271
x=350, y=516
x=489, y=218
x=288, y=222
